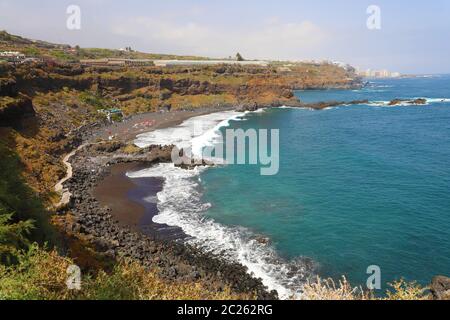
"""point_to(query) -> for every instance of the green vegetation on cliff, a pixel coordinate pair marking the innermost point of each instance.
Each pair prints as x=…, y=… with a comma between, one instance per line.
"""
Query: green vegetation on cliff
x=30, y=272
x=67, y=53
x=59, y=97
x=42, y=275
x=22, y=216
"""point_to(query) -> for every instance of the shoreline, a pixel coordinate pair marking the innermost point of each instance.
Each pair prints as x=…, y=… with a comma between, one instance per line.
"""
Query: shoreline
x=126, y=199
x=114, y=233
x=112, y=227
x=96, y=168
x=135, y=125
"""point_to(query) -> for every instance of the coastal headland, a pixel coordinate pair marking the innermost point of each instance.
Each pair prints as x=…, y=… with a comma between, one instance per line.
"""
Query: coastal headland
x=56, y=112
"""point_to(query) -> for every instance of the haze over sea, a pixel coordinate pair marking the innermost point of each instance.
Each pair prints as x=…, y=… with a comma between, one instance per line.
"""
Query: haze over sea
x=358, y=186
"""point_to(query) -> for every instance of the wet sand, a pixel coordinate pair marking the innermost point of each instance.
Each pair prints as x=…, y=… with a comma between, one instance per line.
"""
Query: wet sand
x=141, y=123
x=134, y=201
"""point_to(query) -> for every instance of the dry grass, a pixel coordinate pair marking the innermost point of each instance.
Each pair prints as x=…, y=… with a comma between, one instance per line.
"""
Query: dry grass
x=403, y=290
x=42, y=275
x=328, y=289
x=130, y=149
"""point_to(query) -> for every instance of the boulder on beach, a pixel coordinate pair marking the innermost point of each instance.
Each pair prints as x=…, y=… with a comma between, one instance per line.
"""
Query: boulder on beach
x=247, y=107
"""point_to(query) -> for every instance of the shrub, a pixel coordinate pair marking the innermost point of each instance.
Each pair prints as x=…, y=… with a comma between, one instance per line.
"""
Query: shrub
x=19, y=204
x=403, y=290
x=95, y=100
x=42, y=275
x=12, y=236
x=329, y=290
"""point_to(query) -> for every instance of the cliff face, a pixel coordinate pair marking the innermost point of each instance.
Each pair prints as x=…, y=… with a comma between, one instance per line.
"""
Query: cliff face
x=45, y=102
x=14, y=111
x=148, y=88
x=8, y=87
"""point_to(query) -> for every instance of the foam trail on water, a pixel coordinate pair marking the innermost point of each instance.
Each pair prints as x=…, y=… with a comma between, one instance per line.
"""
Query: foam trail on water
x=406, y=102
x=180, y=204
x=196, y=132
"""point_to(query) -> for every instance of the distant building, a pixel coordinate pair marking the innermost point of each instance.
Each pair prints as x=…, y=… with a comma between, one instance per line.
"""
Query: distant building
x=33, y=60
x=112, y=113
x=168, y=63
x=379, y=74
x=94, y=62
x=284, y=69
x=117, y=62
x=344, y=66
x=12, y=56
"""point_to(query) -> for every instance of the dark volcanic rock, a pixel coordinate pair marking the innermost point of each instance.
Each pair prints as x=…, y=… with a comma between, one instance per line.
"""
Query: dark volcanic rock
x=328, y=104
x=14, y=111
x=397, y=102
x=288, y=94
x=440, y=288
x=419, y=101
x=8, y=87
x=247, y=107
x=176, y=261
x=165, y=95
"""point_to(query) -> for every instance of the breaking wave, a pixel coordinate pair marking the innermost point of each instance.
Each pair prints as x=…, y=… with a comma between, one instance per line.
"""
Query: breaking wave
x=406, y=102
x=180, y=204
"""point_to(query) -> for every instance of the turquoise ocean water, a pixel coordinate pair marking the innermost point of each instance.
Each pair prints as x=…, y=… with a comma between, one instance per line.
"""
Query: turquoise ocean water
x=358, y=186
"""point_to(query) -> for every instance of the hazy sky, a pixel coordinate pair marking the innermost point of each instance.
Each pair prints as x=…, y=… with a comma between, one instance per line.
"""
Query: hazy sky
x=414, y=35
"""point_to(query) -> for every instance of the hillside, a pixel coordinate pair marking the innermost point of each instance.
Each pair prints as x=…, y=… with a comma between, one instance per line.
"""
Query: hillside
x=49, y=104
x=67, y=53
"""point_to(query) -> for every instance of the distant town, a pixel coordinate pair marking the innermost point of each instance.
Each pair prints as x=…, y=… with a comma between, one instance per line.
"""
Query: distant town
x=379, y=74
x=15, y=57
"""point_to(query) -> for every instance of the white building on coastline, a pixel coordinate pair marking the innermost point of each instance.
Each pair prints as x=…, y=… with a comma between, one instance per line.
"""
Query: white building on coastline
x=168, y=63
x=12, y=56
x=379, y=74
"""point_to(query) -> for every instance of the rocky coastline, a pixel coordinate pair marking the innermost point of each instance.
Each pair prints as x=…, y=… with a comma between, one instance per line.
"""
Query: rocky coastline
x=91, y=162
x=175, y=261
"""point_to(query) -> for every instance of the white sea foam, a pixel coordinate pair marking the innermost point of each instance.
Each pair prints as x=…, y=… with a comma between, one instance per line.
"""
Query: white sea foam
x=180, y=204
x=197, y=132
x=287, y=107
x=383, y=86
x=151, y=199
x=260, y=110
x=407, y=102
x=438, y=100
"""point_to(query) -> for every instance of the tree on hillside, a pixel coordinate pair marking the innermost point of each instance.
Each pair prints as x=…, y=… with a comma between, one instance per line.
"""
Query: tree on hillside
x=239, y=57
x=77, y=50
x=13, y=236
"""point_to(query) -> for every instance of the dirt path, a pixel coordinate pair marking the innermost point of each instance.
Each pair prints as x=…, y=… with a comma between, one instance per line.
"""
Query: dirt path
x=127, y=131
x=59, y=188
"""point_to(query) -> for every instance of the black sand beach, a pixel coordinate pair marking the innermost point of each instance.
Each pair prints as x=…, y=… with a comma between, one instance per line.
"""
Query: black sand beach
x=133, y=202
